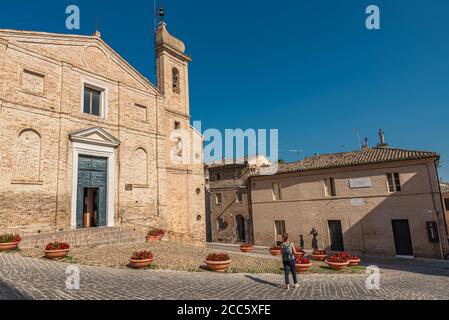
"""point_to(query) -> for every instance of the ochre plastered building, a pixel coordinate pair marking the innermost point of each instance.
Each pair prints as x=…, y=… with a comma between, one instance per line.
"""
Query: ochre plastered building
x=374, y=201
x=82, y=131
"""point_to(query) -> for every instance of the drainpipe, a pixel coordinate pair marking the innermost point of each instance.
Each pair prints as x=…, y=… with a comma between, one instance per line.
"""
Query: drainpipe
x=441, y=200
x=435, y=209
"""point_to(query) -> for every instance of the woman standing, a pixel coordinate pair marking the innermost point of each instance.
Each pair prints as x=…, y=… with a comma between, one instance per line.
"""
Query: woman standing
x=288, y=259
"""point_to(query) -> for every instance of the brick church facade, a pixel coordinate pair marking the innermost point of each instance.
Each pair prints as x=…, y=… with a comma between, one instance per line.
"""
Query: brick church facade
x=81, y=131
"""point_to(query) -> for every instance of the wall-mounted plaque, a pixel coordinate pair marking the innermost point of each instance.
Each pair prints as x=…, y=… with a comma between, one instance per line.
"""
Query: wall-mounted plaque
x=360, y=183
x=357, y=202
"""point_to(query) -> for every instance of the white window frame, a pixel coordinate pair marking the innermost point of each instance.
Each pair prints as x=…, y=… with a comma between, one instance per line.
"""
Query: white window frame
x=218, y=203
x=237, y=197
x=328, y=188
x=104, y=97
x=395, y=186
x=279, y=189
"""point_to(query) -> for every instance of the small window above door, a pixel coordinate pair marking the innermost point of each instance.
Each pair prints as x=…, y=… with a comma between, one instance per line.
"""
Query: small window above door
x=93, y=103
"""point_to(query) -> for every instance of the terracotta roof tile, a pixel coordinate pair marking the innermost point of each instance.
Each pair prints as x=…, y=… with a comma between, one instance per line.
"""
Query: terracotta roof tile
x=355, y=158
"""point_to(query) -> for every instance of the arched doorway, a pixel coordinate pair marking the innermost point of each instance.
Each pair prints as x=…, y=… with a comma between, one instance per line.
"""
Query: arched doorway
x=241, y=228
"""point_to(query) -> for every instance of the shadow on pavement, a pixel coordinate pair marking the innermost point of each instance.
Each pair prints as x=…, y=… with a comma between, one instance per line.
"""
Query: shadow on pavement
x=425, y=267
x=8, y=292
x=258, y=280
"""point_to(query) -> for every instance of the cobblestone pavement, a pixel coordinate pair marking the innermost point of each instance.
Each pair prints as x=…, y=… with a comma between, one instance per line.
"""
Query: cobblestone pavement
x=30, y=278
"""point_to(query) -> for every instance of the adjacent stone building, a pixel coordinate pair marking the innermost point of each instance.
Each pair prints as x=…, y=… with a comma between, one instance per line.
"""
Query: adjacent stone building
x=228, y=201
x=379, y=201
x=444, y=186
x=82, y=131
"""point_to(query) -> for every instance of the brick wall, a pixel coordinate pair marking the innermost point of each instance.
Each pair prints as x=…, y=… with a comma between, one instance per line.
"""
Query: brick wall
x=40, y=108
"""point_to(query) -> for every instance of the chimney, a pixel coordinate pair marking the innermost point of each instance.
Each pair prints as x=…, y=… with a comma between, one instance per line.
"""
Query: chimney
x=365, y=146
x=382, y=143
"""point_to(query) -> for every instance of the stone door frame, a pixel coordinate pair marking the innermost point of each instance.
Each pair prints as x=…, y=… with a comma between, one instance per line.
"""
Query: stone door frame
x=95, y=151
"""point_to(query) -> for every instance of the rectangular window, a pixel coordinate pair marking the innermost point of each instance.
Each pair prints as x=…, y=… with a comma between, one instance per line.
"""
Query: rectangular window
x=277, y=192
x=177, y=125
x=239, y=197
x=218, y=199
x=280, y=227
x=329, y=187
x=394, y=182
x=218, y=177
x=446, y=204
x=92, y=101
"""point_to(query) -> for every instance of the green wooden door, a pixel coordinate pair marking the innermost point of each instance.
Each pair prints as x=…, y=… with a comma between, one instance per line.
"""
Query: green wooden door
x=92, y=173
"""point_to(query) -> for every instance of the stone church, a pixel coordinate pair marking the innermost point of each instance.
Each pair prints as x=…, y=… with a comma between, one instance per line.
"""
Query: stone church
x=86, y=141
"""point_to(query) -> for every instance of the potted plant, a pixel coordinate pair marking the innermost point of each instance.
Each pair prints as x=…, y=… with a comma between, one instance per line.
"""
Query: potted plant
x=276, y=251
x=218, y=262
x=319, y=255
x=141, y=259
x=302, y=264
x=344, y=255
x=299, y=253
x=9, y=241
x=155, y=235
x=56, y=250
x=337, y=262
x=354, y=261
x=246, y=247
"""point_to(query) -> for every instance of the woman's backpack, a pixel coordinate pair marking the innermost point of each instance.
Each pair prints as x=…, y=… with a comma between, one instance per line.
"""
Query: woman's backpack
x=287, y=252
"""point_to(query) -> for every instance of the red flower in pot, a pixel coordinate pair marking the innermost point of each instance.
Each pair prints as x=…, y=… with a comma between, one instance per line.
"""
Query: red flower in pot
x=246, y=247
x=9, y=241
x=56, y=250
x=354, y=261
x=276, y=251
x=299, y=253
x=218, y=262
x=302, y=264
x=337, y=262
x=142, y=259
x=319, y=255
x=155, y=235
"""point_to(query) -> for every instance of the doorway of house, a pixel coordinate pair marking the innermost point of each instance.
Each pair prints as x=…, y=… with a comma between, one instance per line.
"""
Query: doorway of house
x=90, y=218
x=336, y=235
x=402, y=238
x=241, y=229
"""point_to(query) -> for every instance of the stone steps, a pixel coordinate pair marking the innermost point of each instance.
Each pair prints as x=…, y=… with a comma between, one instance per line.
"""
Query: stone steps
x=85, y=237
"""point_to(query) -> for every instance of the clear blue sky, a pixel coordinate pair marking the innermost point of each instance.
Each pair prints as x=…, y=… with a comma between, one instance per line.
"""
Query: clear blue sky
x=309, y=68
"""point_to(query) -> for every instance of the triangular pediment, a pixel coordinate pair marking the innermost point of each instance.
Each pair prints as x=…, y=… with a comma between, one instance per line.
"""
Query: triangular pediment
x=95, y=135
x=89, y=53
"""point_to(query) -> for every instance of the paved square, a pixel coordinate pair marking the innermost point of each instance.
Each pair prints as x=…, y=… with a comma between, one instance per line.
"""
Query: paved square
x=30, y=278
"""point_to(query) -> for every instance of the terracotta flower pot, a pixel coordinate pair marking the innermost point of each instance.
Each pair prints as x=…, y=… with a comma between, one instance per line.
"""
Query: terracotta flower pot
x=275, y=252
x=299, y=254
x=154, y=238
x=246, y=249
x=319, y=257
x=8, y=246
x=140, y=264
x=353, y=263
x=218, y=266
x=303, y=267
x=337, y=266
x=56, y=254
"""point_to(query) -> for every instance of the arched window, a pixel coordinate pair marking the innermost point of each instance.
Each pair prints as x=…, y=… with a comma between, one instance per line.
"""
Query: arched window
x=140, y=167
x=175, y=75
x=27, y=161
